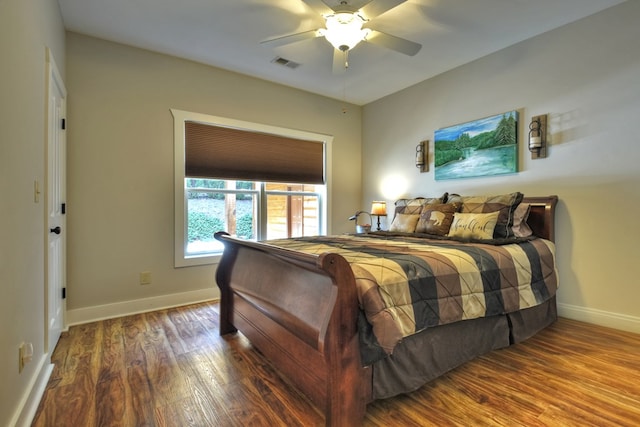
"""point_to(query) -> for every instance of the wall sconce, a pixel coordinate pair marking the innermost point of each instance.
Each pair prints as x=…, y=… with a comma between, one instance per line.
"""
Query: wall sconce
x=379, y=209
x=538, y=137
x=365, y=228
x=422, y=158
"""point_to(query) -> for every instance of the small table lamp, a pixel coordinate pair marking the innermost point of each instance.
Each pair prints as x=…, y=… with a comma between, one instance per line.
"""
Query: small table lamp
x=379, y=209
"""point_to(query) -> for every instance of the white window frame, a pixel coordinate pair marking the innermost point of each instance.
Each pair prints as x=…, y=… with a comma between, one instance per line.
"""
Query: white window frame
x=181, y=259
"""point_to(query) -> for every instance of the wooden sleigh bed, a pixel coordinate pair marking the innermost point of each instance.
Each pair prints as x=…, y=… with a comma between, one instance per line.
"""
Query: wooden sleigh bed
x=302, y=312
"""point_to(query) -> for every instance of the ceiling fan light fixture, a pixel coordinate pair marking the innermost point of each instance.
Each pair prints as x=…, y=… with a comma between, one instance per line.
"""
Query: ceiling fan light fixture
x=344, y=30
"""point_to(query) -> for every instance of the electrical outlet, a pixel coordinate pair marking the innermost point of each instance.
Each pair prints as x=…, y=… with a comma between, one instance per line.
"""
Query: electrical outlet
x=145, y=278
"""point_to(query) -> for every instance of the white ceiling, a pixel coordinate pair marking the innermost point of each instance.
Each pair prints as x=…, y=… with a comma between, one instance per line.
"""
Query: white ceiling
x=227, y=34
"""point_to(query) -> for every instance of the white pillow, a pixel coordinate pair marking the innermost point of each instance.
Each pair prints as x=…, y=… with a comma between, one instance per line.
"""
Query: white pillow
x=474, y=225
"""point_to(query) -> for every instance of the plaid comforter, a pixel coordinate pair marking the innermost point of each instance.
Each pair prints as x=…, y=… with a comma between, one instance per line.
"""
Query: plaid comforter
x=406, y=283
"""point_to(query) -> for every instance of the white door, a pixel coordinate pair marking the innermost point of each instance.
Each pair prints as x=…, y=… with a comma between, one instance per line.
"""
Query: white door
x=56, y=195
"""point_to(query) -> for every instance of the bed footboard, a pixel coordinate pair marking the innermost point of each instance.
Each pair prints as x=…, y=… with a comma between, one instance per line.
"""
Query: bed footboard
x=300, y=310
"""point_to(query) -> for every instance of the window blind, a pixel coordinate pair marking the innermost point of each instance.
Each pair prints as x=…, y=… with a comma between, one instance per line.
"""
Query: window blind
x=227, y=153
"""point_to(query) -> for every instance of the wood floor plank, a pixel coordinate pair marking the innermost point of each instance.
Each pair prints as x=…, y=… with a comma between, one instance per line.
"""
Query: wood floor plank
x=110, y=386
x=138, y=395
x=170, y=368
x=207, y=397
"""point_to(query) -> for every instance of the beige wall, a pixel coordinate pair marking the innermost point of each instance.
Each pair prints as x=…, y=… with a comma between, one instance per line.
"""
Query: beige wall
x=120, y=161
x=26, y=29
x=586, y=76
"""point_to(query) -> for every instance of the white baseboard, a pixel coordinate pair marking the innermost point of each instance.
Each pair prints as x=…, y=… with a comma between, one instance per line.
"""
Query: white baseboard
x=600, y=317
x=30, y=401
x=109, y=311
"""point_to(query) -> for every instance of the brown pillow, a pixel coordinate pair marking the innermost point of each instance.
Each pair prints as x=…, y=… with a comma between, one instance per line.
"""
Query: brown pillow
x=506, y=204
x=414, y=206
x=436, y=219
x=453, y=198
x=520, y=215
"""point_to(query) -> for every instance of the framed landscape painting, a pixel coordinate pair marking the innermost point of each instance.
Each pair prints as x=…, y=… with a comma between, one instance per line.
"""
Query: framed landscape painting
x=483, y=147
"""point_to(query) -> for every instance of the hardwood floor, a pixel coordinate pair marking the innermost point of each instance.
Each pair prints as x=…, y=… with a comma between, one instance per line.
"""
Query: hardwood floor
x=171, y=368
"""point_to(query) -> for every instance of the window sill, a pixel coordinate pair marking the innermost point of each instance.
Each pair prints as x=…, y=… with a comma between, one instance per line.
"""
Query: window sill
x=195, y=260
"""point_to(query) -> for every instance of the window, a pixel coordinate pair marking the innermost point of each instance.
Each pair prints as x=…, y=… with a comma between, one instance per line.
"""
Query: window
x=292, y=210
x=235, y=199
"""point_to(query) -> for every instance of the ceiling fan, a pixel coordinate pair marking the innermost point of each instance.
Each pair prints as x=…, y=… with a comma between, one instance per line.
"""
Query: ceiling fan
x=346, y=26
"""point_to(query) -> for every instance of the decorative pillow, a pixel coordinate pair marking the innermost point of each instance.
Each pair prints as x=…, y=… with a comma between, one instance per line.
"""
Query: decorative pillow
x=505, y=204
x=437, y=219
x=520, y=215
x=404, y=223
x=474, y=226
x=414, y=206
x=453, y=198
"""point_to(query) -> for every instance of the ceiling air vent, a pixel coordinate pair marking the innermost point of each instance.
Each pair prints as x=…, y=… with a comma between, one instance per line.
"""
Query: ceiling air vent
x=283, y=61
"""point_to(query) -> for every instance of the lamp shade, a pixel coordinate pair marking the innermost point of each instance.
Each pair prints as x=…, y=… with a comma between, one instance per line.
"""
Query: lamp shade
x=344, y=30
x=378, y=208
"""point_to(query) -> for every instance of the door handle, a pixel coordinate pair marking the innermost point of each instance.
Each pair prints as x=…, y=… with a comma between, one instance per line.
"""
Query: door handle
x=56, y=230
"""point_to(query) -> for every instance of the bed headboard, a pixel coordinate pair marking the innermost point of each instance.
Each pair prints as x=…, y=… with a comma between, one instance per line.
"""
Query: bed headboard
x=542, y=216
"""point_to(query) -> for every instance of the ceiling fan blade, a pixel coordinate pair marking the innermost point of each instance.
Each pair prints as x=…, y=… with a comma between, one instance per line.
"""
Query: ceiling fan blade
x=292, y=38
x=392, y=42
x=378, y=7
x=340, y=61
x=319, y=6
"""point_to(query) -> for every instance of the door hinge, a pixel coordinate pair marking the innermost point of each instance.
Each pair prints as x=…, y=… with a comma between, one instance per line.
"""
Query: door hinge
x=64, y=124
x=63, y=208
x=64, y=293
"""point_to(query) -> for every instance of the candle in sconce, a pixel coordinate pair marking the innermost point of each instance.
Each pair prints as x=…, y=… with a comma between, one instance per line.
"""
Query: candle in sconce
x=535, y=142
